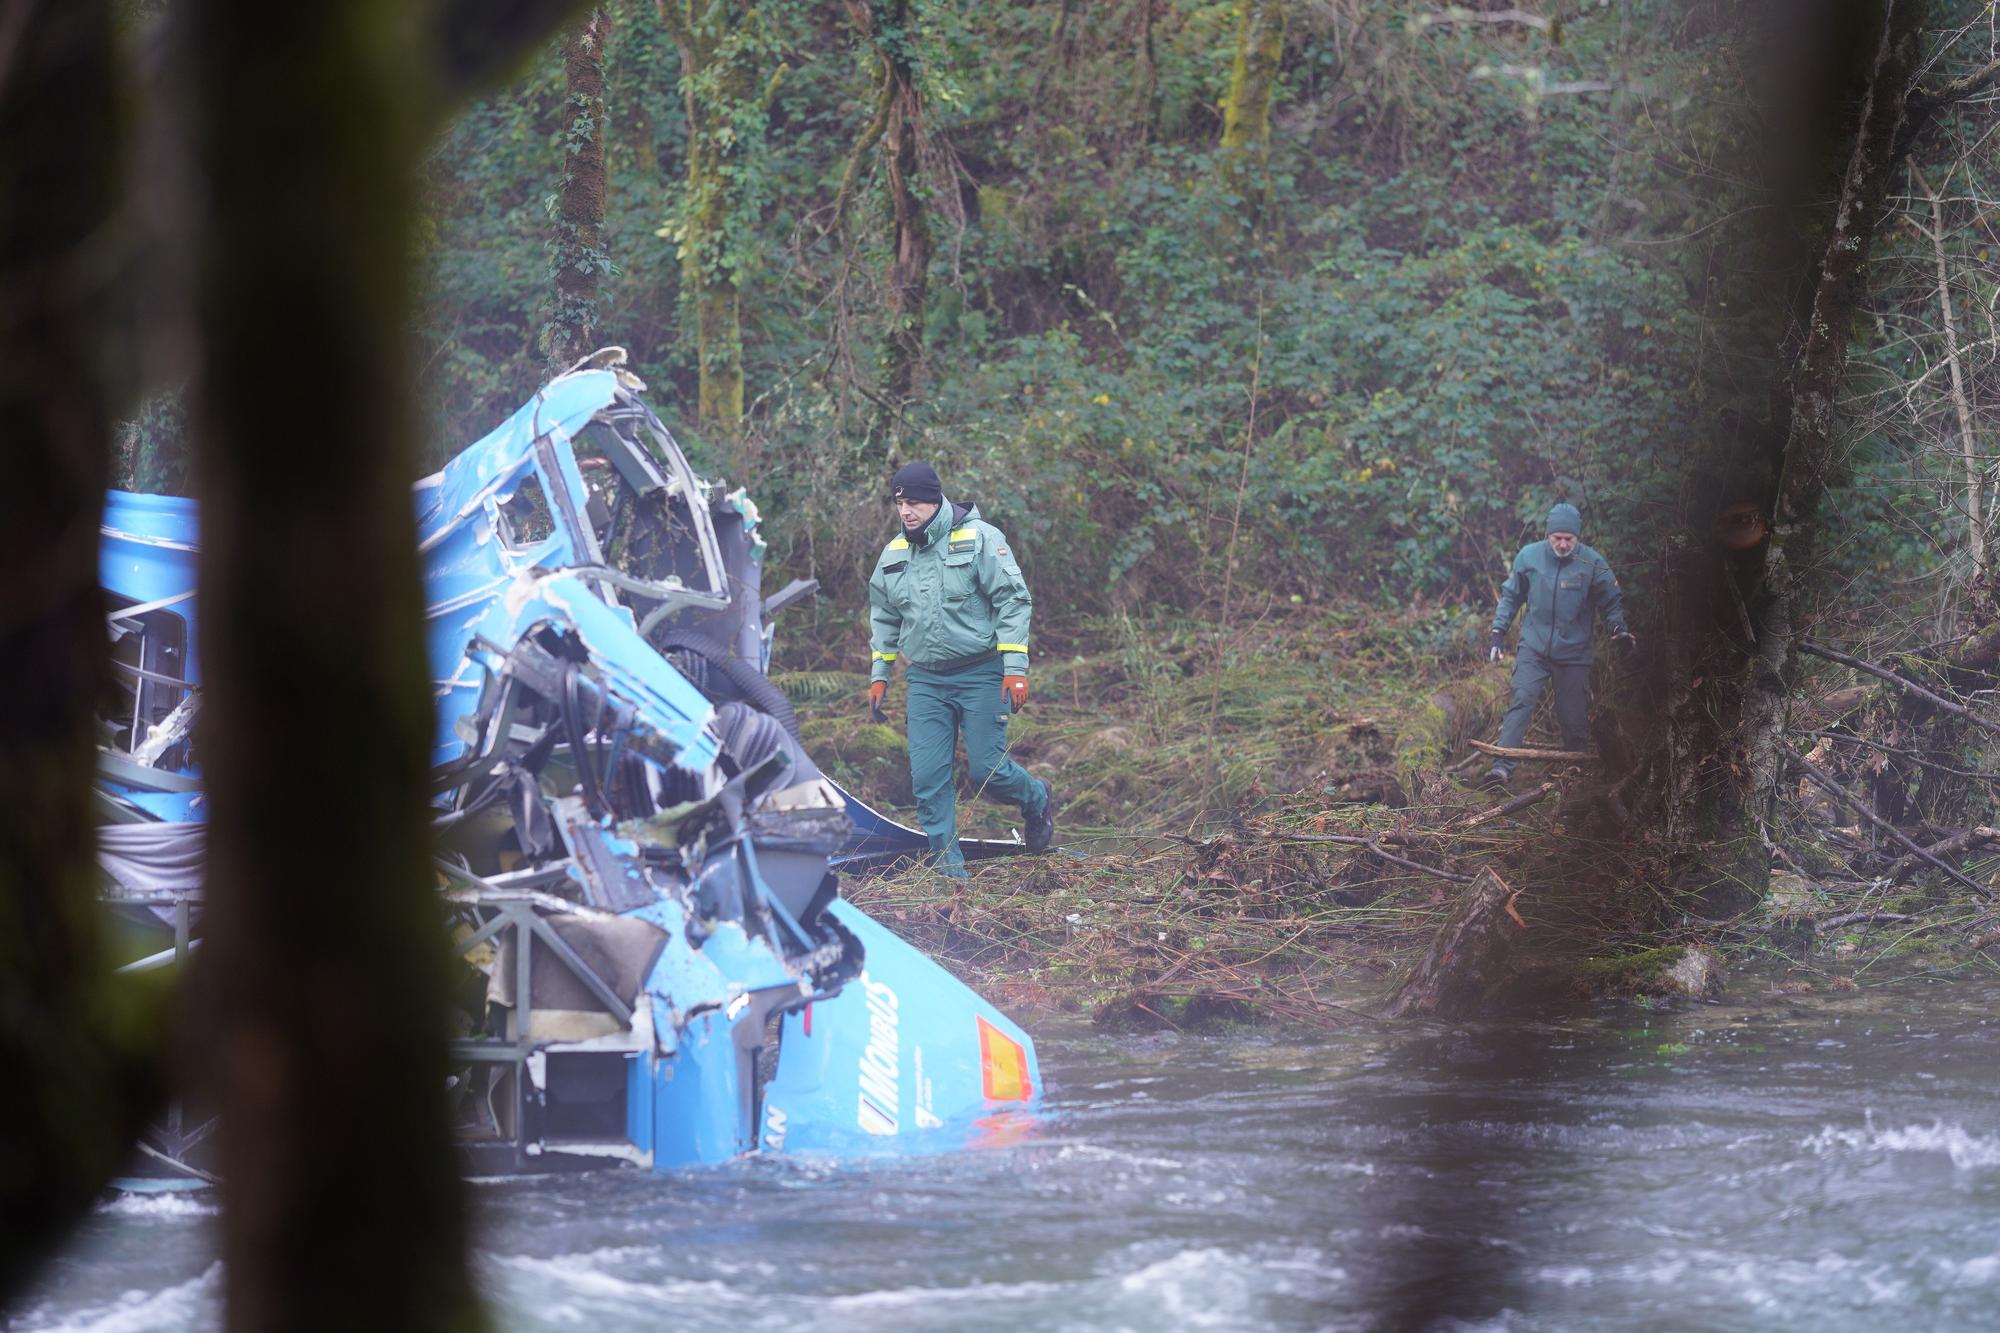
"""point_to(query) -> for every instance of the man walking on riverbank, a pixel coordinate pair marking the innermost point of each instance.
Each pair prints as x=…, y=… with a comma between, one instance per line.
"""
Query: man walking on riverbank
x=948, y=598
x=1565, y=586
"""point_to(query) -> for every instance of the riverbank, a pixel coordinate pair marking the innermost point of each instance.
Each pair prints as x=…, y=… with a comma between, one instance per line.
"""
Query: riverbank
x=1271, y=825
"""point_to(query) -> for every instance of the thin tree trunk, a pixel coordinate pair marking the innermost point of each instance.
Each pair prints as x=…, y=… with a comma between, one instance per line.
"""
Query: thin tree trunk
x=1246, y=108
x=1146, y=79
x=910, y=231
x=579, y=250
x=1975, y=520
x=79, y=1080
x=726, y=110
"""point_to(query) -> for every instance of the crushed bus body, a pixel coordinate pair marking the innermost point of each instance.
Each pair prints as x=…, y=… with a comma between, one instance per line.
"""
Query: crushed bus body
x=637, y=859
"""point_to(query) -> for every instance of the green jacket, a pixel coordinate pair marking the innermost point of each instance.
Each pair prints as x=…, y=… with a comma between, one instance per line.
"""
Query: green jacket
x=957, y=595
x=1563, y=598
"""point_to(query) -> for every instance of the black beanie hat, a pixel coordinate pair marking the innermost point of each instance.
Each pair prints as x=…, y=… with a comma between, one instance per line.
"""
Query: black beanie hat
x=919, y=482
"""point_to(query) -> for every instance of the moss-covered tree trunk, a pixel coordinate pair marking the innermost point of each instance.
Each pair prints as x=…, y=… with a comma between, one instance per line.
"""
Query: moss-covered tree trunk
x=1727, y=750
x=1146, y=72
x=1246, y=108
x=724, y=47
x=78, y=1084
x=579, y=258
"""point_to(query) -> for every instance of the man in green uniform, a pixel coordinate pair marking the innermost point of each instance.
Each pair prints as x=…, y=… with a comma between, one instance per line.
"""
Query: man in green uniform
x=947, y=597
x=1565, y=586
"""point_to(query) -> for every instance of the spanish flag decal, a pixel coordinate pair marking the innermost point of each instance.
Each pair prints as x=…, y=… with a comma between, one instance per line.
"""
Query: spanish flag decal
x=1003, y=1065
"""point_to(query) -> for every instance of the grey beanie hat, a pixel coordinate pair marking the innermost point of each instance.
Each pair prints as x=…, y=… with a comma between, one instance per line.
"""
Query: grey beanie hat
x=1565, y=518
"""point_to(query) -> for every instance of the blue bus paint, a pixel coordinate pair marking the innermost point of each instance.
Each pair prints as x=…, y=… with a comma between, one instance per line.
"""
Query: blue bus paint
x=891, y=1062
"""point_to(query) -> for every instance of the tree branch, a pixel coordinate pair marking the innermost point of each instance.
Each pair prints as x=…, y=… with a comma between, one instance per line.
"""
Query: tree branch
x=1974, y=510
x=1371, y=845
x=1883, y=673
x=1856, y=919
x=1924, y=107
x=1526, y=752
x=1958, y=90
x=1910, y=755
x=1821, y=779
x=1519, y=803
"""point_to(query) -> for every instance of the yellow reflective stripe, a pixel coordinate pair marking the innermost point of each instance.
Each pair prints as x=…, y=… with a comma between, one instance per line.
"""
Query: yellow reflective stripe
x=885, y=657
x=1011, y=648
x=900, y=544
x=964, y=534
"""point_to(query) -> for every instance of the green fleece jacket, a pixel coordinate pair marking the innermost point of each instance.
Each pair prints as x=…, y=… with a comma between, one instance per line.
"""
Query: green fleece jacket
x=954, y=592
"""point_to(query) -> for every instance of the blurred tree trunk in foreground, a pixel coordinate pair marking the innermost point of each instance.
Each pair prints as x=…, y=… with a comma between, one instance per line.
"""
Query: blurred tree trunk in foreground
x=579, y=256
x=327, y=960
x=79, y=1053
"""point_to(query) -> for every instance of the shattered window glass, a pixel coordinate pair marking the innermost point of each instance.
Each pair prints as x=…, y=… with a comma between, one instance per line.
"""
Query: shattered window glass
x=149, y=660
x=525, y=517
x=643, y=523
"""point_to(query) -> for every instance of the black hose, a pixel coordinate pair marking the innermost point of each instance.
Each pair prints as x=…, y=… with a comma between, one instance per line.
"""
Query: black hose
x=750, y=683
x=748, y=735
x=594, y=799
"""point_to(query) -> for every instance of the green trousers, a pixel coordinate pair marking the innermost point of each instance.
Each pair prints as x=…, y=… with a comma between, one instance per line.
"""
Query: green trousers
x=1532, y=674
x=941, y=706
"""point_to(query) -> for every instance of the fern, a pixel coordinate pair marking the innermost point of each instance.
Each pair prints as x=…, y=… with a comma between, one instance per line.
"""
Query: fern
x=814, y=687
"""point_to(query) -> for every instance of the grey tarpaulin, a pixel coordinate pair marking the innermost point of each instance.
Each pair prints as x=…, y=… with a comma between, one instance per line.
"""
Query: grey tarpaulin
x=152, y=857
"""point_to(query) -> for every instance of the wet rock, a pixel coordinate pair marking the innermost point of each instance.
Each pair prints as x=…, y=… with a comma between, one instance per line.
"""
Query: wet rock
x=1691, y=970
x=1697, y=973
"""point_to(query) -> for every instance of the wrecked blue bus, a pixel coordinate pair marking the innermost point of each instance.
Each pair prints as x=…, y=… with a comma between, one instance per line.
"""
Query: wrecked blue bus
x=638, y=861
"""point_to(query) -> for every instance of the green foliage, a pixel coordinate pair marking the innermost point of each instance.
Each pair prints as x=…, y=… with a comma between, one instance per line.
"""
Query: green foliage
x=1496, y=265
x=153, y=446
x=803, y=687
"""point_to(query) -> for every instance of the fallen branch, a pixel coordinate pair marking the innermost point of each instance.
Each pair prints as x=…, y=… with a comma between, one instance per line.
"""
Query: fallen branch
x=1909, y=686
x=1858, y=918
x=1854, y=803
x=1412, y=865
x=1371, y=845
x=1979, y=835
x=1505, y=808
x=1523, y=752
x=1910, y=755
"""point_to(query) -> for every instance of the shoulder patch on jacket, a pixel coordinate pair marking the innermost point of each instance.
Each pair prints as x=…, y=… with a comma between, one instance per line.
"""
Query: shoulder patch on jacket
x=898, y=544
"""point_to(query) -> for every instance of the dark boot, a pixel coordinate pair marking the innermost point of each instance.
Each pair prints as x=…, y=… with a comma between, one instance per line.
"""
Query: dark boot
x=1497, y=777
x=1042, y=824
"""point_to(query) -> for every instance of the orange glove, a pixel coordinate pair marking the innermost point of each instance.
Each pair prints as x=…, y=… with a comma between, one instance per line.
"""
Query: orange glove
x=877, y=690
x=1014, y=689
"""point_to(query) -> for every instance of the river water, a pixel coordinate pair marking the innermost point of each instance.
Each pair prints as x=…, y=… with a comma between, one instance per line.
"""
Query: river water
x=1818, y=1162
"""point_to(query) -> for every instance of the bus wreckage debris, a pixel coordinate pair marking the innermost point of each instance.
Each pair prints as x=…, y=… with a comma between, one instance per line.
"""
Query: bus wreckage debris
x=639, y=861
